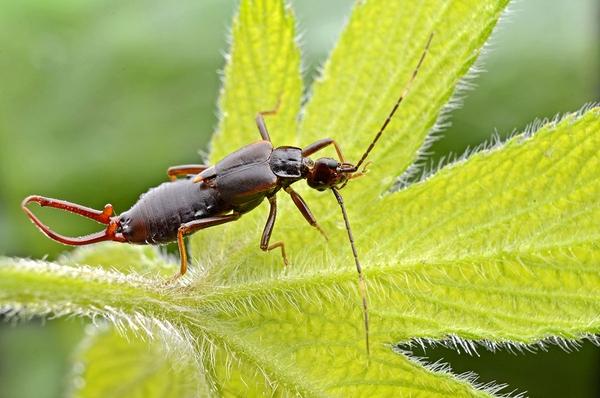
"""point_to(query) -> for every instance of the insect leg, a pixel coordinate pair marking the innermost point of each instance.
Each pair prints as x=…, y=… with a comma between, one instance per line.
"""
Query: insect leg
x=320, y=144
x=185, y=169
x=303, y=207
x=266, y=235
x=262, y=127
x=260, y=120
x=196, y=225
x=104, y=216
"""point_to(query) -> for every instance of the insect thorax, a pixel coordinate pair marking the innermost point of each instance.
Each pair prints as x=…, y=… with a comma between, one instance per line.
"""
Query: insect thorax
x=286, y=162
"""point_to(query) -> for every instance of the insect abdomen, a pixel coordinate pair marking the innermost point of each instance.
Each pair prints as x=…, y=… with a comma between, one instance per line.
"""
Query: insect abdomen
x=159, y=213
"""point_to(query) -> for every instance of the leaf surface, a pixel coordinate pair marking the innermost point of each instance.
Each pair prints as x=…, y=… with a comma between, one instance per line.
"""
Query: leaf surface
x=372, y=63
x=262, y=74
x=377, y=52
x=236, y=355
x=301, y=332
x=124, y=258
x=507, y=242
x=110, y=364
x=501, y=248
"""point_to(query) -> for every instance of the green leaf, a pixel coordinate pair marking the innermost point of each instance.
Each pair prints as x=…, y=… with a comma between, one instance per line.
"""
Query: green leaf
x=373, y=60
x=371, y=65
x=503, y=246
x=500, y=248
x=109, y=364
x=279, y=329
x=37, y=288
x=124, y=258
x=262, y=72
x=248, y=338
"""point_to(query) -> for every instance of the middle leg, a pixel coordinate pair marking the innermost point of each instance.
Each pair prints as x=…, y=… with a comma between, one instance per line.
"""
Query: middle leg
x=196, y=225
x=266, y=235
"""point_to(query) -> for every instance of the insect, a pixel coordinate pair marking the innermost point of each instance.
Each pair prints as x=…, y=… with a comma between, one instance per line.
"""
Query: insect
x=207, y=196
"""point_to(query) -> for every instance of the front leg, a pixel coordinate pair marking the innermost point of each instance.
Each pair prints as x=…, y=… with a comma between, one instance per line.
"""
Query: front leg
x=320, y=144
x=196, y=225
x=266, y=235
x=303, y=207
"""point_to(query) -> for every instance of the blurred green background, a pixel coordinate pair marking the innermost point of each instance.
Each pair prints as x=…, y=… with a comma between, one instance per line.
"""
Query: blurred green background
x=98, y=98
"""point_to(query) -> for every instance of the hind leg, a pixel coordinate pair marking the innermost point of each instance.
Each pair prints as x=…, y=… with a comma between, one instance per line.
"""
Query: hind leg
x=266, y=235
x=196, y=225
x=185, y=169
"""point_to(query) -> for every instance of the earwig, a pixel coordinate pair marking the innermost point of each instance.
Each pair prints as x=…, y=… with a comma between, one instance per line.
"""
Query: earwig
x=207, y=196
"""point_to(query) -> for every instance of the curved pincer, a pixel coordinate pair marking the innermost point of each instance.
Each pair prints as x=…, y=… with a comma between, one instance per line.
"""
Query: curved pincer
x=104, y=216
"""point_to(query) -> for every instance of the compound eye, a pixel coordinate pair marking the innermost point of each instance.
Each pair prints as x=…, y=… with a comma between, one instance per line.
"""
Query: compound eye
x=331, y=163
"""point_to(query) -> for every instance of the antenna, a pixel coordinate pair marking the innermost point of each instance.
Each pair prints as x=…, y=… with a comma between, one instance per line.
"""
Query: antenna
x=361, y=281
x=404, y=93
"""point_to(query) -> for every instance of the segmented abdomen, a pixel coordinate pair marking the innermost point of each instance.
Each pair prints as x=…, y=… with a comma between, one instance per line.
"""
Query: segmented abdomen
x=159, y=213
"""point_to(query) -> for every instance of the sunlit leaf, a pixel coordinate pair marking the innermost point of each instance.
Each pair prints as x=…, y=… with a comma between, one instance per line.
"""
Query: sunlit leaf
x=125, y=258
x=248, y=338
x=109, y=364
x=262, y=74
x=506, y=243
x=500, y=248
x=372, y=61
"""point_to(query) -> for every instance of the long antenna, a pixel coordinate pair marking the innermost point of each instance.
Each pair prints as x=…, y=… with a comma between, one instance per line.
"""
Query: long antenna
x=361, y=281
x=404, y=93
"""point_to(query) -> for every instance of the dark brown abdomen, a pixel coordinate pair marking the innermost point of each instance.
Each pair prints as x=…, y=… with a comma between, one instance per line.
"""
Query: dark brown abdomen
x=159, y=213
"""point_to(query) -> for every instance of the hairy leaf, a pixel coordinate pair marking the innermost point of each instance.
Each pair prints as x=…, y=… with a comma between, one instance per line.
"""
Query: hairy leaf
x=124, y=258
x=290, y=350
x=272, y=333
x=371, y=65
x=300, y=333
x=262, y=74
x=372, y=61
x=500, y=248
x=506, y=243
x=110, y=364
